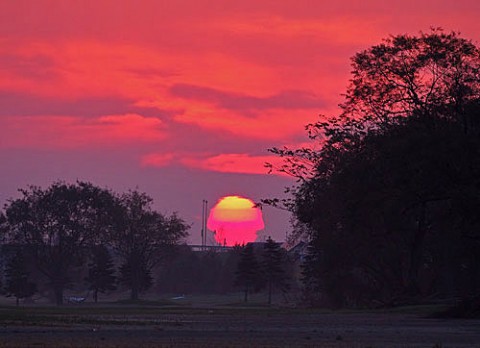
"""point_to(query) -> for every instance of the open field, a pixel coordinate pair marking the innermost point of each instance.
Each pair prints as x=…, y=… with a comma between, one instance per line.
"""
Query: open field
x=162, y=325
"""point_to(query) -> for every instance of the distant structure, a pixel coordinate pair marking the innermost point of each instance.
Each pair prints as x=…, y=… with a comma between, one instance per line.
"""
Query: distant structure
x=299, y=251
x=210, y=248
x=204, y=223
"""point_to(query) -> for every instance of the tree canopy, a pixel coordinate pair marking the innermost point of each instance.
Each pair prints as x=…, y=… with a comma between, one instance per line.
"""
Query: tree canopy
x=389, y=202
x=59, y=225
x=140, y=236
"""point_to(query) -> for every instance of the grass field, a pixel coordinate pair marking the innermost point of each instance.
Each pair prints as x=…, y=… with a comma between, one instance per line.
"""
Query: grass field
x=166, y=323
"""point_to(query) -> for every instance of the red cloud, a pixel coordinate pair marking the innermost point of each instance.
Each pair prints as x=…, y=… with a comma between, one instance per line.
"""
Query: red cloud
x=287, y=100
x=272, y=124
x=157, y=159
x=74, y=132
x=233, y=163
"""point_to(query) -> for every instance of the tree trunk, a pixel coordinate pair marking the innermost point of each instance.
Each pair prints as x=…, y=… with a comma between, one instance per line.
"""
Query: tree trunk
x=134, y=293
x=59, y=296
x=269, y=293
x=17, y=301
x=246, y=294
x=95, y=295
x=416, y=254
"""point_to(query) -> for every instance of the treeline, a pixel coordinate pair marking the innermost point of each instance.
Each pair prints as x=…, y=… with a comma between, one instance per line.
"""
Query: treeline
x=390, y=204
x=52, y=234
x=253, y=268
x=82, y=239
x=250, y=268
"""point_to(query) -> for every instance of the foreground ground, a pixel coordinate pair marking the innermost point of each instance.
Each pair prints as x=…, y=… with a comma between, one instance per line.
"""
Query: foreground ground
x=155, y=325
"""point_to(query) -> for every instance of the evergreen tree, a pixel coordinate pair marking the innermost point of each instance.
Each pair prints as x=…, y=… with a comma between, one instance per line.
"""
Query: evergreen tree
x=136, y=274
x=16, y=278
x=273, y=265
x=101, y=272
x=247, y=274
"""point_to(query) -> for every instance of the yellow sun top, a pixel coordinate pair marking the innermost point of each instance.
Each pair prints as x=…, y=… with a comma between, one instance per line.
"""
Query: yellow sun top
x=234, y=208
x=235, y=202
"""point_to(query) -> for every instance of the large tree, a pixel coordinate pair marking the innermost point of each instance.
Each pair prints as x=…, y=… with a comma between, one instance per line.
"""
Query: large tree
x=434, y=74
x=393, y=189
x=57, y=224
x=140, y=237
x=402, y=203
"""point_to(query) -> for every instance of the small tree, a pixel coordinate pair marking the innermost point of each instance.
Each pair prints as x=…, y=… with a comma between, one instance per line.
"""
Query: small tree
x=3, y=232
x=247, y=274
x=273, y=264
x=136, y=274
x=16, y=276
x=101, y=272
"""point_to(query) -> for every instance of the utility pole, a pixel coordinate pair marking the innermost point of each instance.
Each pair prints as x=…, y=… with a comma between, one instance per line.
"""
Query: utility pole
x=204, y=223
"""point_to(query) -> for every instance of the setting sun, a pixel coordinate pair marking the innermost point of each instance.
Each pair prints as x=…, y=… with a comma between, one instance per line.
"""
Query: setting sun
x=235, y=220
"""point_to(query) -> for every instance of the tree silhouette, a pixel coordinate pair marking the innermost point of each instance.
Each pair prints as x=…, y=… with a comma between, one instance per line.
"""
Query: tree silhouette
x=140, y=237
x=136, y=274
x=273, y=266
x=57, y=224
x=248, y=273
x=434, y=75
x=3, y=233
x=16, y=278
x=392, y=190
x=101, y=271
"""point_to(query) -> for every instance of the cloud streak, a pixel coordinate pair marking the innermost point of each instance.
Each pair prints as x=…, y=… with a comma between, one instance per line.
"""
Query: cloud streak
x=290, y=99
x=239, y=163
x=20, y=104
x=67, y=132
x=232, y=163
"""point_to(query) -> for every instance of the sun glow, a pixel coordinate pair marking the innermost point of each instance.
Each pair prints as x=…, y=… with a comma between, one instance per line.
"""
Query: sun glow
x=235, y=220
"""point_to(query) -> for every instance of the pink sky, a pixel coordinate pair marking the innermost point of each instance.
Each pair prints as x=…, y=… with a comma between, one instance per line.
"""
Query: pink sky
x=182, y=98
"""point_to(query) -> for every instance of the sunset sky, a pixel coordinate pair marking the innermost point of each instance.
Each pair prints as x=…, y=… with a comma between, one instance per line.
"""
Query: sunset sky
x=182, y=98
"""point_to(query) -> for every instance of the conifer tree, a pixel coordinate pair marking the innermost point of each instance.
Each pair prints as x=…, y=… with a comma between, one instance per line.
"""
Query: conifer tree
x=101, y=272
x=16, y=278
x=248, y=271
x=136, y=274
x=273, y=264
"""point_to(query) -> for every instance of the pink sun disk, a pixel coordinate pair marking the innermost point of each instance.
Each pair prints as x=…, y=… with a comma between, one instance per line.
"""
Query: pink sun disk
x=235, y=220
